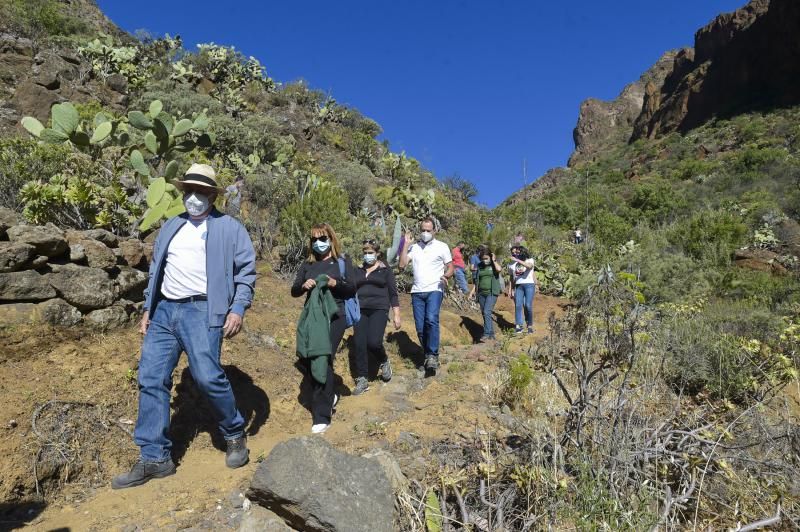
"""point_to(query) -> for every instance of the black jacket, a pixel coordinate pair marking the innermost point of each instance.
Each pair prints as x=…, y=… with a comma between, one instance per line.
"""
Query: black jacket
x=378, y=290
x=343, y=289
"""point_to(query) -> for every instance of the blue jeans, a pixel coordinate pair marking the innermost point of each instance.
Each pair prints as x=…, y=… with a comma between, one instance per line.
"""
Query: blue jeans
x=523, y=300
x=176, y=327
x=461, y=280
x=426, y=307
x=487, y=302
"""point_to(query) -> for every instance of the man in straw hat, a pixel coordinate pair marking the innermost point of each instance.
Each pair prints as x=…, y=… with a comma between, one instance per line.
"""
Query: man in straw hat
x=201, y=281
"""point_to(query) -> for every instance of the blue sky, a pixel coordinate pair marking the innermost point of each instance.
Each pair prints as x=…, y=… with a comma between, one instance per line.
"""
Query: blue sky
x=466, y=87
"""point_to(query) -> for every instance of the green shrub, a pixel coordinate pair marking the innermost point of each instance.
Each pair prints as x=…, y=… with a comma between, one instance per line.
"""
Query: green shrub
x=709, y=236
x=23, y=160
x=39, y=18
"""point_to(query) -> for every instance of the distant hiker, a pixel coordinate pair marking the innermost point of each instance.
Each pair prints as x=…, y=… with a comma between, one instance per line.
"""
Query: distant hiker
x=458, y=264
x=488, y=290
x=578, y=236
x=322, y=324
x=519, y=239
x=433, y=266
x=522, y=286
x=201, y=281
x=474, y=262
x=489, y=225
x=377, y=293
x=233, y=197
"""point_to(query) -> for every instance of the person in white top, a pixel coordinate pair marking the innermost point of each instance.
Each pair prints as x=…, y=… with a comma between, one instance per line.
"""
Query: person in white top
x=432, y=264
x=522, y=286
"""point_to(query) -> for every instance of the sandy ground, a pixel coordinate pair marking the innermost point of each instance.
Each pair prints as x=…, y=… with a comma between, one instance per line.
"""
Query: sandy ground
x=38, y=365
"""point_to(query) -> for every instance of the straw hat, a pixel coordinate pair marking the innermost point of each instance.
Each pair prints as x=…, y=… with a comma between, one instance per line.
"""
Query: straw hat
x=199, y=174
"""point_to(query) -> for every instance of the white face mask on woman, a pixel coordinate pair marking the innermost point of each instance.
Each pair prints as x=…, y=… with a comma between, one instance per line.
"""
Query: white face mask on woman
x=369, y=258
x=195, y=203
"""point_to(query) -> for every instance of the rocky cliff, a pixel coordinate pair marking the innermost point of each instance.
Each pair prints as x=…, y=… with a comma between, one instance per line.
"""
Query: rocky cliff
x=606, y=123
x=742, y=61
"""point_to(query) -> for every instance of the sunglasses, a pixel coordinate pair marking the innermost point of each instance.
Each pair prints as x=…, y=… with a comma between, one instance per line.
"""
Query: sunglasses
x=370, y=241
x=323, y=238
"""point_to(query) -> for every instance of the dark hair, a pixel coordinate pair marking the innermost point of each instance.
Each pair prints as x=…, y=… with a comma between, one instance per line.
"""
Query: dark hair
x=372, y=243
x=523, y=253
x=484, y=250
x=428, y=219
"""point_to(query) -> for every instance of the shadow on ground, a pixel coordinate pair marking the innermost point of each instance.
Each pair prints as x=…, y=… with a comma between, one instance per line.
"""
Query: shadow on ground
x=193, y=413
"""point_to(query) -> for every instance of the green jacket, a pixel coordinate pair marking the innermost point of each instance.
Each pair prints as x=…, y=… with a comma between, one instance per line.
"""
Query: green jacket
x=313, y=329
x=489, y=271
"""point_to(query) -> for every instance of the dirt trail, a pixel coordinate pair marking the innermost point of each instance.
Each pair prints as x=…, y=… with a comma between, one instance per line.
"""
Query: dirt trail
x=260, y=363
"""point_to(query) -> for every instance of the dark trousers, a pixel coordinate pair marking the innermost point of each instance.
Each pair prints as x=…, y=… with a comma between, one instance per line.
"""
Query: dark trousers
x=369, y=338
x=322, y=394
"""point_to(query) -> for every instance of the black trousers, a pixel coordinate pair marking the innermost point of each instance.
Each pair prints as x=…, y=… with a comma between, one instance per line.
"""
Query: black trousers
x=322, y=394
x=369, y=338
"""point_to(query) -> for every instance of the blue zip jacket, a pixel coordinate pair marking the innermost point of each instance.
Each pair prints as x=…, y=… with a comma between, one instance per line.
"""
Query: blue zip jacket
x=230, y=266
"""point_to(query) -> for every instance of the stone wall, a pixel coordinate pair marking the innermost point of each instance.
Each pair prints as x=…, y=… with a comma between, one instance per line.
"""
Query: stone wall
x=67, y=277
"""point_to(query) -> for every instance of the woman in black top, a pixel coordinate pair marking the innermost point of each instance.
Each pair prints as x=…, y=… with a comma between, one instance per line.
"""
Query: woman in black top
x=377, y=293
x=323, y=258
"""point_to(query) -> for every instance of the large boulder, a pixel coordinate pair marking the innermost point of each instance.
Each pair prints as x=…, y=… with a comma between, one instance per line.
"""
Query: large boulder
x=59, y=312
x=101, y=235
x=25, y=286
x=15, y=256
x=132, y=253
x=131, y=283
x=316, y=487
x=85, y=288
x=107, y=318
x=97, y=254
x=48, y=240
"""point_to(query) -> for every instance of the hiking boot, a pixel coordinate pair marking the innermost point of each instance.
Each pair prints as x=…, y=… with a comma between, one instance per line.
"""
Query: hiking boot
x=142, y=472
x=431, y=365
x=237, y=454
x=386, y=371
x=362, y=385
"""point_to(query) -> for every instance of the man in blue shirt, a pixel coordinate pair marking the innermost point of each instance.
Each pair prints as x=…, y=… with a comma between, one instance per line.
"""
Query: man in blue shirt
x=201, y=282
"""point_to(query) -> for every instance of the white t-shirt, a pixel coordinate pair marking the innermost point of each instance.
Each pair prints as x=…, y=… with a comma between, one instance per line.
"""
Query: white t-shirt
x=522, y=274
x=429, y=262
x=185, y=271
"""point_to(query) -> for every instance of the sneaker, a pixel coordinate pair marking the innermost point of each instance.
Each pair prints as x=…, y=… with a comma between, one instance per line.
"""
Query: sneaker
x=431, y=363
x=386, y=371
x=518, y=329
x=319, y=428
x=530, y=330
x=335, y=399
x=142, y=472
x=237, y=454
x=362, y=385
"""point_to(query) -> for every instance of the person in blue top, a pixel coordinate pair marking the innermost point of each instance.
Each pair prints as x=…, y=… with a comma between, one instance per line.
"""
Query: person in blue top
x=201, y=282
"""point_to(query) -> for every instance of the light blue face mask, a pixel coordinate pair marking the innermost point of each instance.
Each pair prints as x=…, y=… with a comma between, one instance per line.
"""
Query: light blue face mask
x=321, y=247
x=369, y=258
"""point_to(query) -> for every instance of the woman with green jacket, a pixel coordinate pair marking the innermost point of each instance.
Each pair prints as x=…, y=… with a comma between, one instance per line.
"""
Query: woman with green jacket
x=488, y=289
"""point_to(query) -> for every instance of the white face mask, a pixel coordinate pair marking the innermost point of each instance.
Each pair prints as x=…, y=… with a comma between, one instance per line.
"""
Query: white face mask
x=427, y=236
x=369, y=258
x=487, y=261
x=195, y=203
x=320, y=247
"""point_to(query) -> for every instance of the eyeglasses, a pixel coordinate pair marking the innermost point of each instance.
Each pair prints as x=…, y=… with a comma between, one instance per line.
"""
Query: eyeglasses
x=369, y=241
x=322, y=238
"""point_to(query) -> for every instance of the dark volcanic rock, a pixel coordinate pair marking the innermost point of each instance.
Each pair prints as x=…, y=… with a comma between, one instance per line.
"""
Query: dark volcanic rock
x=48, y=240
x=85, y=288
x=25, y=286
x=745, y=60
x=59, y=312
x=15, y=256
x=315, y=487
